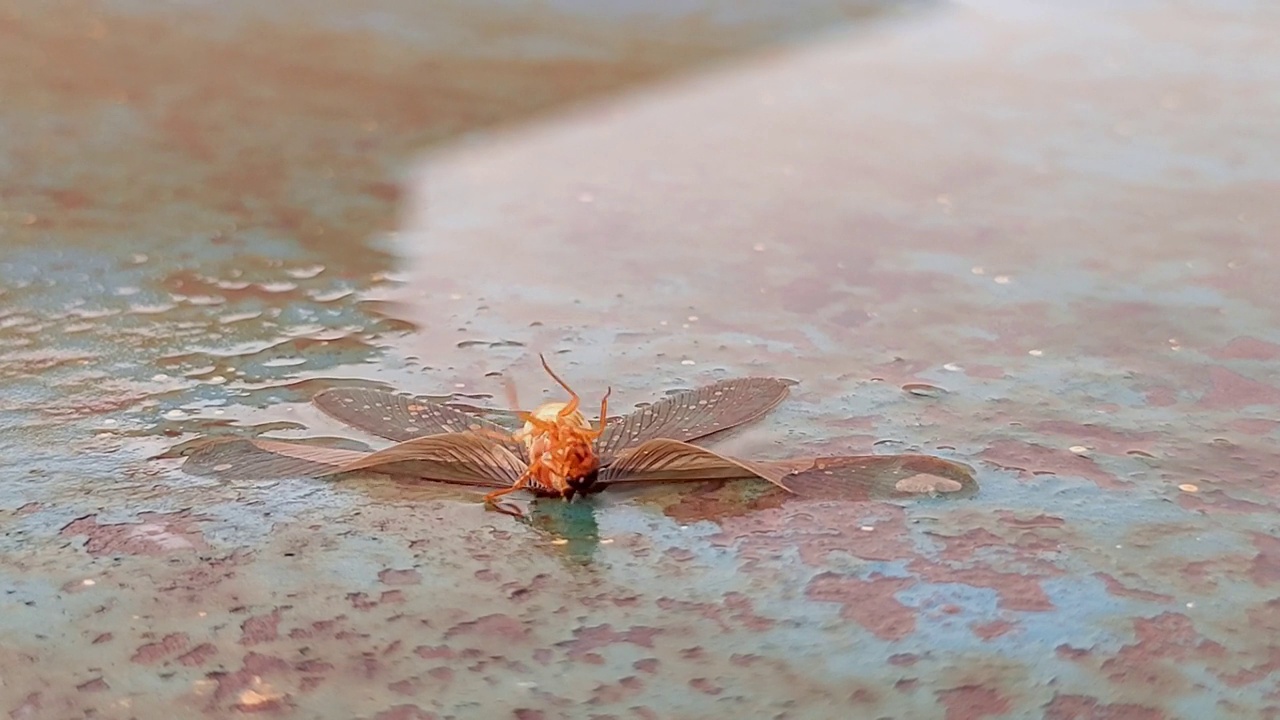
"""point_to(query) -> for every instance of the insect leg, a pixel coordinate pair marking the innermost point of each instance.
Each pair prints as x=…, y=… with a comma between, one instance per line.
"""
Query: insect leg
x=491, y=498
x=604, y=413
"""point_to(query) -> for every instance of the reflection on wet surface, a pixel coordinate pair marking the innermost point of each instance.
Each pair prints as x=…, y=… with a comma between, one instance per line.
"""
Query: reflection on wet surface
x=1036, y=243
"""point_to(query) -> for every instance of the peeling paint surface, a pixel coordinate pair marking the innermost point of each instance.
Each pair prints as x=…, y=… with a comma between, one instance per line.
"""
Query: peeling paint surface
x=1041, y=242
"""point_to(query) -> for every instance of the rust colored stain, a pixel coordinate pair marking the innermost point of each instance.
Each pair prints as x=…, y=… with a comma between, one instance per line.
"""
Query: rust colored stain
x=156, y=534
x=1230, y=390
x=588, y=639
x=1115, y=587
x=1247, y=348
x=1265, y=569
x=1161, y=642
x=972, y=702
x=199, y=655
x=1032, y=459
x=1082, y=707
x=496, y=625
x=159, y=651
x=400, y=577
x=994, y=629
x=405, y=712
x=260, y=629
x=870, y=603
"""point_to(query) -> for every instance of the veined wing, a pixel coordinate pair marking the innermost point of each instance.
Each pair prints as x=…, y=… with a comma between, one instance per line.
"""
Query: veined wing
x=457, y=458
x=400, y=417
x=462, y=458
x=693, y=414
x=254, y=459
x=667, y=460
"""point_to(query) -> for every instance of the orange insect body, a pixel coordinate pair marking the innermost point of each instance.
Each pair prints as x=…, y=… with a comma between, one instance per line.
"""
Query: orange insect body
x=561, y=446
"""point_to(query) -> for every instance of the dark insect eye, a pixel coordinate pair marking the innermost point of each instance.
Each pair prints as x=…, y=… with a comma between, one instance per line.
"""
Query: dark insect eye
x=585, y=482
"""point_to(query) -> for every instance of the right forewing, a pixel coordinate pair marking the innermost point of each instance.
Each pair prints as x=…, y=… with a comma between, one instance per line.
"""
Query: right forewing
x=694, y=414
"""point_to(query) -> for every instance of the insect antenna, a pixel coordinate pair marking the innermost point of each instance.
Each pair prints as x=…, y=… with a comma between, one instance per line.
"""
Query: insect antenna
x=573, y=396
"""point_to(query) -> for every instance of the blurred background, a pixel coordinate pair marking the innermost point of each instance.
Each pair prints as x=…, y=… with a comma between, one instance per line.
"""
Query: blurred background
x=1036, y=238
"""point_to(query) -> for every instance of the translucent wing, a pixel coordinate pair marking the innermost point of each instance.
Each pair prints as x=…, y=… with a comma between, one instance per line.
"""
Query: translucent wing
x=463, y=458
x=399, y=417
x=250, y=459
x=693, y=414
x=458, y=458
x=666, y=460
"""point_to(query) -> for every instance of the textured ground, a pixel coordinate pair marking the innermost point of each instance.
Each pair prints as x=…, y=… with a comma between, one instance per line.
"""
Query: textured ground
x=1063, y=222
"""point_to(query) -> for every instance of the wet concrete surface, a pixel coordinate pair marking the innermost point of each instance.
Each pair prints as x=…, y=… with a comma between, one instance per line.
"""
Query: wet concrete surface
x=1037, y=241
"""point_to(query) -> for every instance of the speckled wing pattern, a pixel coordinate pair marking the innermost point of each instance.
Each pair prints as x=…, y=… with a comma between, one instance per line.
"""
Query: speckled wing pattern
x=667, y=460
x=693, y=414
x=402, y=417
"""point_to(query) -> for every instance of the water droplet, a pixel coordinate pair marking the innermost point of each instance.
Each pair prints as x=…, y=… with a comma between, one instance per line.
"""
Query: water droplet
x=952, y=367
x=924, y=389
x=1035, y=353
x=925, y=483
x=978, y=270
x=1002, y=279
x=758, y=247
x=1079, y=449
x=1189, y=488
x=305, y=273
x=686, y=362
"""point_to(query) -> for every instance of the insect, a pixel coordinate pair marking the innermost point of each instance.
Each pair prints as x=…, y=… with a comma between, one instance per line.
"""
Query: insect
x=559, y=444
x=556, y=453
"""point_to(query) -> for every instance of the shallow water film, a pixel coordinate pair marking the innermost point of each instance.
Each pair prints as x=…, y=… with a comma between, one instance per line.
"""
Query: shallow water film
x=1039, y=242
